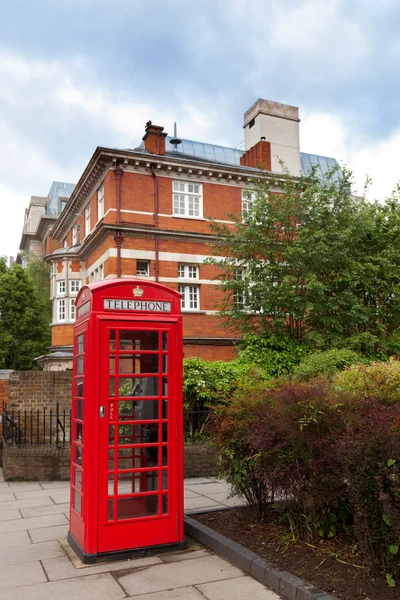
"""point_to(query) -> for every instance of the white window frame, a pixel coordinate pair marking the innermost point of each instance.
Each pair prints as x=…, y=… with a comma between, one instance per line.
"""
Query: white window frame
x=183, y=198
x=61, y=310
x=87, y=220
x=61, y=287
x=190, y=272
x=248, y=197
x=190, y=301
x=100, y=202
x=71, y=286
x=138, y=271
x=72, y=310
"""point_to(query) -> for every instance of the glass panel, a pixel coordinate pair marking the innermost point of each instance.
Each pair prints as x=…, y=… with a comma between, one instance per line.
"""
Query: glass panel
x=110, y=510
x=78, y=455
x=78, y=502
x=112, y=387
x=136, y=410
x=139, y=458
x=111, y=432
x=165, y=363
x=165, y=432
x=80, y=344
x=138, y=434
x=111, y=485
x=137, y=481
x=79, y=409
x=78, y=478
x=165, y=480
x=165, y=340
x=127, y=434
x=165, y=504
x=78, y=432
x=112, y=364
x=135, y=386
x=165, y=456
x=138, y=340
x=127, y=459
x=164, y=409
x=79, y=365
x=79, y=388
x=165, y=386
x=142, y=506
x=111, y=460
x=145, y=363
x=112, y=340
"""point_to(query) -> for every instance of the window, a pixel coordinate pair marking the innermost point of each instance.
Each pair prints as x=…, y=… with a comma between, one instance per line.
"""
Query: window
x=76, y=234
x=247, y=201
x=63, y=204
x=74, y=286
x=238, y=295
x=65, y=243
x=187, y=199
x=60, y=288
x=72, y=312
x=60, y=310
x=97, y=274
x=142, y=268
x=100, y=202
x=188, y=271
x=87, y=220
x=190, y=297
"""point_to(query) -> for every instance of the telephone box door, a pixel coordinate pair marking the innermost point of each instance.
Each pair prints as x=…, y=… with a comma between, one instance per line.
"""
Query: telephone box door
x=139, y=462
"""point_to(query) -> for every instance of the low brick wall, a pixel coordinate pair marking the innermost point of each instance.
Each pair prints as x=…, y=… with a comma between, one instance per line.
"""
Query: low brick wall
x=46, y=464
x=200, y=460
x=35, y=464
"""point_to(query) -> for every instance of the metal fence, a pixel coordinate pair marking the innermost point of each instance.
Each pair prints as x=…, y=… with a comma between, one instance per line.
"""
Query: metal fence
x=41, y=427
x=52, y=427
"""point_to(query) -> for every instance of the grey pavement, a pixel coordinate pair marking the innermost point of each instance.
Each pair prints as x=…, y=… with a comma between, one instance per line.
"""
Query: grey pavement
x=37, y=564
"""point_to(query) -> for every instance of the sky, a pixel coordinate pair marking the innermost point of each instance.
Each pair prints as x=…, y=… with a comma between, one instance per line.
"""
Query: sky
x=77, y=74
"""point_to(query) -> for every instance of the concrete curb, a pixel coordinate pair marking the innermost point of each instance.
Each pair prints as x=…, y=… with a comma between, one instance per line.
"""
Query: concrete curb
x=283, y=583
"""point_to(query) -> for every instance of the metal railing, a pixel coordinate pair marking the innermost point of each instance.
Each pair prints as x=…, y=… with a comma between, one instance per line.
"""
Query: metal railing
x=41, y=427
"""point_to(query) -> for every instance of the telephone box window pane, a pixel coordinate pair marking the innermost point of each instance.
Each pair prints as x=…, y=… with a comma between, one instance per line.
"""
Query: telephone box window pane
x=78, y=478
x=79, y=455
x=111, y=485
x=78, y=432
x=112, y=340
x=112, y=387
x=133, y=508
x=110, y=510
x=111, y=460
x=112, y=364
x=165, y=340
x=164, y=409
x=135, y=386
x=80, y=344
x=79, y=388
x=165, y=363
x=79, y=410
x=77, y=502
x=165, y=504
x=165, y=432
x=79, y=365
x=138, y=340
x=138, y=458
x=165, y=456
x=145, y=363
x=138, y=410
x=165, y=480
x=126, y=434
x=131, y=483
x=111, y=435
x=165, y=386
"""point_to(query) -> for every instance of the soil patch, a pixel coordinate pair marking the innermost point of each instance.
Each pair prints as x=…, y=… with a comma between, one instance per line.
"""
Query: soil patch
x=334, y=565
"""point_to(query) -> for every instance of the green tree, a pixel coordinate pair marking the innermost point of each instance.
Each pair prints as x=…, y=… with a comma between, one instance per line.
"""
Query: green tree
x=23, y=335
x=39, y=272
x=312, y=262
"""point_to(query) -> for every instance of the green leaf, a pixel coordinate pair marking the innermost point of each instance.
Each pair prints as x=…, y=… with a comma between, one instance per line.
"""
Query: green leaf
x=390, y=580
x=394, y=549
x=386, y=520
x=391, y=462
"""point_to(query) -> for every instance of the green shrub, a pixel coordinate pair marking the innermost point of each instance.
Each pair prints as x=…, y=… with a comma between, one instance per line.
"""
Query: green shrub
x=326, y=363
x=380, y=380
x=276, y=356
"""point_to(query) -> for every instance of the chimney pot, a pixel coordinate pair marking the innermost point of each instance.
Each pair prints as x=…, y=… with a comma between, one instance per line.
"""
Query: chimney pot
x=154, y=138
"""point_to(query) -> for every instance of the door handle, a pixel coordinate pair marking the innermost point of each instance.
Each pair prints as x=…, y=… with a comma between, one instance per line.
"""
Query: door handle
x=102, y=411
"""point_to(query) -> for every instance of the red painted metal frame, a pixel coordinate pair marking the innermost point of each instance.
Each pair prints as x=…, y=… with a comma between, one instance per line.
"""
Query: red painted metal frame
x=90, y=531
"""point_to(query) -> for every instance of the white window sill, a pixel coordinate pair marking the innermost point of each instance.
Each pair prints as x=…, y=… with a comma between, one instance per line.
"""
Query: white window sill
x=189, y=217
x=193, y=311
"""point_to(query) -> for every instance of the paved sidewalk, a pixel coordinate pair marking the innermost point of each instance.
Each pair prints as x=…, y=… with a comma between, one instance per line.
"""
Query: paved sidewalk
x=37, y=564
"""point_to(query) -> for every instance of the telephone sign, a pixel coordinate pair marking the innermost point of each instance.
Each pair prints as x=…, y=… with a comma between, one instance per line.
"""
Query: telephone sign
x=127, y=422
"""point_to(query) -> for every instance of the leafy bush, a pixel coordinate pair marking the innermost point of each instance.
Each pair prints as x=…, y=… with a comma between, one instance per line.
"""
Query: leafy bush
x=326, y=363
x=380, y=380
x=276, y=356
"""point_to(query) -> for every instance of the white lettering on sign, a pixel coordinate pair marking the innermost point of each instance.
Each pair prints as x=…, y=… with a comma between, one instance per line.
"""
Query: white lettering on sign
x=143, y=305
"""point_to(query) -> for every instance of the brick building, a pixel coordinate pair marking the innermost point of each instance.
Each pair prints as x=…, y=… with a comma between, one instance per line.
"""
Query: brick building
x=143, y=213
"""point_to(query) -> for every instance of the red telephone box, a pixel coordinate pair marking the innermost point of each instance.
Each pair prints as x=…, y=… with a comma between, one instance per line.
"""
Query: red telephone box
x=127, y=423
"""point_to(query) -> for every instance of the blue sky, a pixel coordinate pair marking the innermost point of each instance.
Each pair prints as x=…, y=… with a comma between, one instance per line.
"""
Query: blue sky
x=76, y=74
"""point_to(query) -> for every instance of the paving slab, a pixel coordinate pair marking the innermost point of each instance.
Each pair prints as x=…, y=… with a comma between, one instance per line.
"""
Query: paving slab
x=24, y=486
x=190, y=494
x=14, y=538
x=197, y=480
x=58, y=496
x=174, y=575
x=62, y=568
x=3, y=485
x=236, y=589
x=29, y=553
x=15, y=576
x=6, y=497
x=48, y=509
x=209, y=488
x=9, y=515
x=184, y=555
x=54, y=485
x=186, y=593
x=46, y=534
x=94, y=587
x=46, y=501
x=32, y=523
x=200, y=502
x=27, y=493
